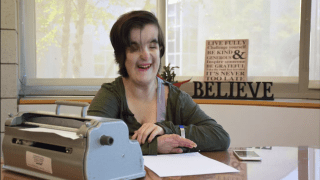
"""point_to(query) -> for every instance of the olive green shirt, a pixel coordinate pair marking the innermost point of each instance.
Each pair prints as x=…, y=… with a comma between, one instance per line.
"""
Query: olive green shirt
x=110, y=101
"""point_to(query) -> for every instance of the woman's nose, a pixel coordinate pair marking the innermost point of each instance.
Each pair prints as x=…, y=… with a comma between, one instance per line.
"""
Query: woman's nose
x=144, y=54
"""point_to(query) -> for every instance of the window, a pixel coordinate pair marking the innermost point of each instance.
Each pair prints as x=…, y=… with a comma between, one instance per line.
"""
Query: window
x=72, y=37
x=65, y=47
x=314, y=57
x=272, y=27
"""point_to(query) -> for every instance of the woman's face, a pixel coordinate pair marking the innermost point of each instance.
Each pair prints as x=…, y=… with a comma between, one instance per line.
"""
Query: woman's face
x=143, y=56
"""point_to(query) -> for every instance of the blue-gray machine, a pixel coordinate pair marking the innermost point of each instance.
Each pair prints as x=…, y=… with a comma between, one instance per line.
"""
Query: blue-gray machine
x=56, y=146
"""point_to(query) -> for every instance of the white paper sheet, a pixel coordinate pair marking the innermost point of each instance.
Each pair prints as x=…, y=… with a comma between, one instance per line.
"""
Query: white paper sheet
x=67, y=134
x=185, y=164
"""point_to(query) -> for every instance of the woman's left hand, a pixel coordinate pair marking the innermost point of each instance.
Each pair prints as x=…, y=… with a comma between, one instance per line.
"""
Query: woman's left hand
x=143, y=132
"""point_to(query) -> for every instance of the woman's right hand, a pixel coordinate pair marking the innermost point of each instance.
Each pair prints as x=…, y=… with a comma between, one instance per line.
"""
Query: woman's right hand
x=169, y=143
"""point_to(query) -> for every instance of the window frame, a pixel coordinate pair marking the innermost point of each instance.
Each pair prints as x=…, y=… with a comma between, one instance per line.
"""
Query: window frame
x=288, y=88
x=314, y=44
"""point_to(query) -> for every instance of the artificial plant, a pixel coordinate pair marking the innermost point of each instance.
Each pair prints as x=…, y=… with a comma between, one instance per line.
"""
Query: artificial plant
x=168, y=73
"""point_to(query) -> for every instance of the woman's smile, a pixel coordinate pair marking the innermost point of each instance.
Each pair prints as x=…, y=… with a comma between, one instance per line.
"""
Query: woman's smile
x=144, y=67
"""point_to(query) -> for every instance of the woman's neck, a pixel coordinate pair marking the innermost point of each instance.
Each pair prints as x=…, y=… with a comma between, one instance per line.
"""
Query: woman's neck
x=146, y=92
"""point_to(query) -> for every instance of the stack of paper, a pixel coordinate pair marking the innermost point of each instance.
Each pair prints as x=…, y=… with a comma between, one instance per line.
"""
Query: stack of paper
x=185, y=164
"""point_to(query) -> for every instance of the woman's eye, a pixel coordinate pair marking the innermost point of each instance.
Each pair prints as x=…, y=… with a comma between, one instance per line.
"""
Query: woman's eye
x=153, y=46
x=134, y=48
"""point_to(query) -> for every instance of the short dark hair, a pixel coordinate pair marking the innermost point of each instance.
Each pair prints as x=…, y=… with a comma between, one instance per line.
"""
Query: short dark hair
x=120, y=35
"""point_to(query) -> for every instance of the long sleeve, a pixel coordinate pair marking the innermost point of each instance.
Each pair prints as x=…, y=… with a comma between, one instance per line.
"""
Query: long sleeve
x=199, y=127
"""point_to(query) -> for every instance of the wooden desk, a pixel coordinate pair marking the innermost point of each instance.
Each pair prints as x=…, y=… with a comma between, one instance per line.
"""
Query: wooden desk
x=277, y=163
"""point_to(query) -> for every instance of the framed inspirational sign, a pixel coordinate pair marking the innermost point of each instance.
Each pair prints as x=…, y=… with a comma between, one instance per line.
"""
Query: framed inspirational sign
x=226, y=60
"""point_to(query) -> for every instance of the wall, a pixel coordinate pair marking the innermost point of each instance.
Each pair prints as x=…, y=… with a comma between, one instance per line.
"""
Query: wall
x=248, y=126
x=9, y=59
x=251, y=126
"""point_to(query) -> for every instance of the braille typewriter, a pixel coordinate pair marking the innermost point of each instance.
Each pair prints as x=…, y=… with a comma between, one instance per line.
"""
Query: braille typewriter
x=56, y=146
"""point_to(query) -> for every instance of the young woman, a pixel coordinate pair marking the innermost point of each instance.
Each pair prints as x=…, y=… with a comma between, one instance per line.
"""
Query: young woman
x=156, y=112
